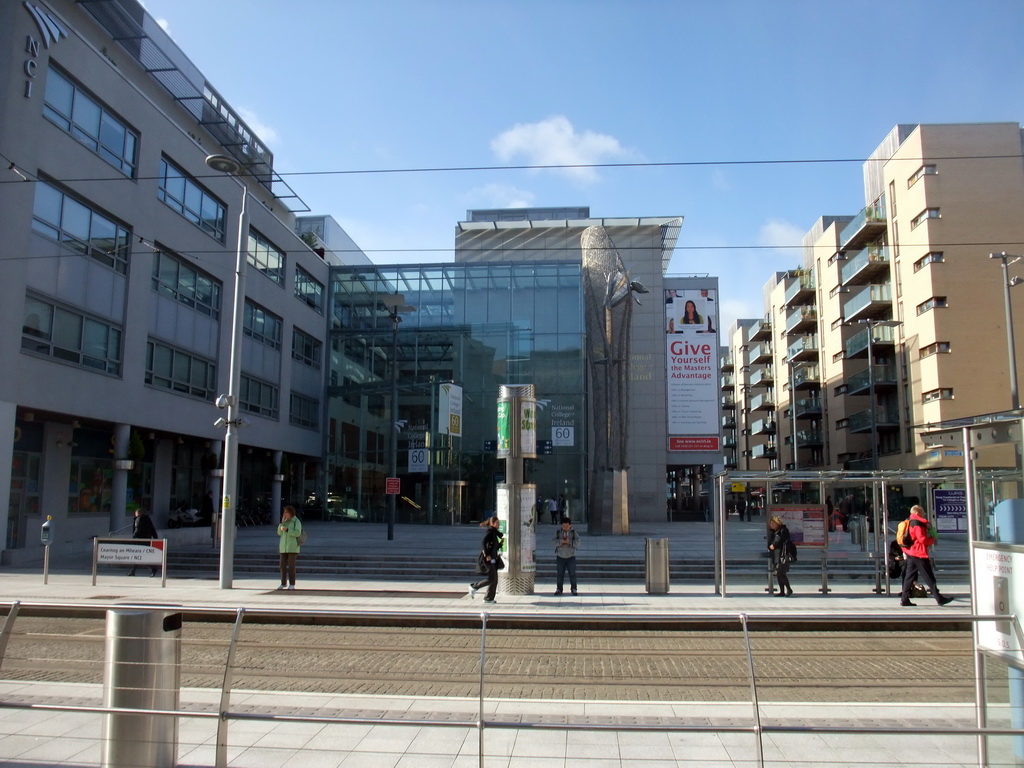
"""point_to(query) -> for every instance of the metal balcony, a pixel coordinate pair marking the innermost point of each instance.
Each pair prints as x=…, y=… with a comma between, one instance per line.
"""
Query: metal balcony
x=882, y=337
x=762, y=331
x=806, y=377
x=728, y=382
x=725, y=363
x=729, y=441
x=799, y=290
x=885, y=418
x=728, y=401
x=860, y=383
x=864, y=227
x=803, y=349
x=762, y=377
x=765, y=402
x=761, y=353
x=806, y=438
x=801, y=319
x=807, y=408
x=729, y=422
x=765, y=451
x=865, y=265
x=870, y=302
x=763, y=427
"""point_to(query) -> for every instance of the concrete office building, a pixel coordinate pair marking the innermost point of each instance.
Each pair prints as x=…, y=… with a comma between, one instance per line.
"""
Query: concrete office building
x=896, y=317
x=119, y=258
x=510, y=310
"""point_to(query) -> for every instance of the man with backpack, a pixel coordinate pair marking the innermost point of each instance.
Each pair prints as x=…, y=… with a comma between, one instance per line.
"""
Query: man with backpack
x=915, y=537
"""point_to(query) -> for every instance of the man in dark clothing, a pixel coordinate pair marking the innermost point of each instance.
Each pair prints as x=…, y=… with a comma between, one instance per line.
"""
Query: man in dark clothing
x=144, y=529
x=206, y=509
x=918, y=566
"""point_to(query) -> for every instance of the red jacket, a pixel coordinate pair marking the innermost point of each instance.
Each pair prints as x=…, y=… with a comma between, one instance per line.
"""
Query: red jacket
x=919, y=528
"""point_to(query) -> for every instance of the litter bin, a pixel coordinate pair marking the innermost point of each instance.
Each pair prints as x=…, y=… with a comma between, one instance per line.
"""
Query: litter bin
x=656, y=566
x=141, y=670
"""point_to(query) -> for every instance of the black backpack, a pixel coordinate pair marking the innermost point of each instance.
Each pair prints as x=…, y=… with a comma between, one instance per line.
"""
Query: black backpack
x=791, y=550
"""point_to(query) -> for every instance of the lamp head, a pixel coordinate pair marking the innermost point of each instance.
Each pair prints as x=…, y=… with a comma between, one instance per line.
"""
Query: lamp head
x=224, y=164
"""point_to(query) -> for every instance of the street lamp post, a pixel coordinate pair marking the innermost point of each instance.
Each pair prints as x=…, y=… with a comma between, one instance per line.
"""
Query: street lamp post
x=1008, y=283
x=230, y=401
x=395, y=303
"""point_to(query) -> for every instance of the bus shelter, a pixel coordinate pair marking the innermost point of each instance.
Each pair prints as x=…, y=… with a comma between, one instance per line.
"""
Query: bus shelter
x=842, y=521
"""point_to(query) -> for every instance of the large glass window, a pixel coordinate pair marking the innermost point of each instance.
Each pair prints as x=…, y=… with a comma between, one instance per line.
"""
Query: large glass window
x=306, y=349
x=180, y=371
x=77, y=226
x=65, y=334
x=265, y=257
x=309, y=290
x=68, y=106
x=89, y=491
x=262, y=326
x=259, y=397
x=190, y=199
x=182, y=282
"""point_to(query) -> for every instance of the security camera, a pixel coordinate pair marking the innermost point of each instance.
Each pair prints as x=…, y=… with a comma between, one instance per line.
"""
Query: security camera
x=221, y=422
x=221, y=401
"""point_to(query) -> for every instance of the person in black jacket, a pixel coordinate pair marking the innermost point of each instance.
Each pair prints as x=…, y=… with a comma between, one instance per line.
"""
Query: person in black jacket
x=143, y=528
x=490, y=549
x=778, y=547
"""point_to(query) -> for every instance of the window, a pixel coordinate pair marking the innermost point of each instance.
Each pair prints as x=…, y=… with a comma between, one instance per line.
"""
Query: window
x=90, y=486
x=174, y=278
x=839, y=289
x=180, y=371
x=62, y=218
x=938, y=348
x=923, y=216
x=842, y=389
x=931, y=257
x=261, y=325
x=892, y=200
x=64, y=334
x=259, y=397
x=305, y=411
x=842, y=424
x=945, y=393
x=306, y=349
x=924, y=170
x=935, y=302
x=191, y=200
x=265, y=257
x=69, y=107
x=307, y=289
x=838, y=322
x=837, y=356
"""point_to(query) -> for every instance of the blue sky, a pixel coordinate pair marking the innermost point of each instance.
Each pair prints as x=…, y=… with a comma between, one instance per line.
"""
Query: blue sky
x=343, y=85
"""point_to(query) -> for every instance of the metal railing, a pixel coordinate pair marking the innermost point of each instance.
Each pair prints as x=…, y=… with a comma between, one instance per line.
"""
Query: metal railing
x=757, y=726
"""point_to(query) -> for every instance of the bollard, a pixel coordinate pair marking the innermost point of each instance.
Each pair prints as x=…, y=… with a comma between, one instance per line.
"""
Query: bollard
x=656, y=566
x=142, y=670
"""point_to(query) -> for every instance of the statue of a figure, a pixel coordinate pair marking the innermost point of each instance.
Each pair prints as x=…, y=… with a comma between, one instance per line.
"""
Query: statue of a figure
x=609, y=310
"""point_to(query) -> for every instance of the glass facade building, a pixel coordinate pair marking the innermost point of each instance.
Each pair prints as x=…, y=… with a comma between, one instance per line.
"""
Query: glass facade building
x=479, y=326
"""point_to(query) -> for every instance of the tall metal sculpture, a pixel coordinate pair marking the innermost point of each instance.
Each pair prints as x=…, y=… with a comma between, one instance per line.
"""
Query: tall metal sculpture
x=607, y=292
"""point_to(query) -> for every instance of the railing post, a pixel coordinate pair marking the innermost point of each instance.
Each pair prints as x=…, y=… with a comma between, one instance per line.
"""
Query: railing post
x=753, y=690
x=480, y=715
x=5, y=634
x=225, y=694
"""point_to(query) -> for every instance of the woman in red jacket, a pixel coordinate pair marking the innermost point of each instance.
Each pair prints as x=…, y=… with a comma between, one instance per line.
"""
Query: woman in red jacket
x=919, y=566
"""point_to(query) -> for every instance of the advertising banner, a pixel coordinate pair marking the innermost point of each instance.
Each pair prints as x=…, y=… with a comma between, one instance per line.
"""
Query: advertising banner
x=692, y=362
x=806, y=524
x=450, y=410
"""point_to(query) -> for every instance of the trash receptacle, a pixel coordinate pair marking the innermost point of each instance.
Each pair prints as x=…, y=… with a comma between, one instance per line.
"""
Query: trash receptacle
x=656, y=566
x=142, y=670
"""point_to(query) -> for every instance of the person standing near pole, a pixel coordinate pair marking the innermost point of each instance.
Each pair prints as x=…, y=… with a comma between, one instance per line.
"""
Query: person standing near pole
x=288, y=532
x=919, y=564
x=566, y=541
x=489, y=559
x=143, y=528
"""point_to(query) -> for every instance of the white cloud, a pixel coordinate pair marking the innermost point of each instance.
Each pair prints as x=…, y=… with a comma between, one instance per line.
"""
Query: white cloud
x=554, y=141
x=266, y=133
x=165, y=25
x=782, y=236
x=499, y=196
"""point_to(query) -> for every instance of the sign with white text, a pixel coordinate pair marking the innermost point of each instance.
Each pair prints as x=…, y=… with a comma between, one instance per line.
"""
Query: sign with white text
x=691, y=347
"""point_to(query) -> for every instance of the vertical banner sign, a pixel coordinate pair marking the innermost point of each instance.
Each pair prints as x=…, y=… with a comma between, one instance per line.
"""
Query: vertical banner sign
x=527, y=532
x=501, y=509
x=504, y=429
x=692, y=370
x=450, y=406
x=528, y=428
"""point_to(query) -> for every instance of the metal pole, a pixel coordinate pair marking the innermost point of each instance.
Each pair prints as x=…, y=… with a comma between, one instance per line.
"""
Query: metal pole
x=393, y=464
x=873, y=406
x=792, y=414
x=228, y=505
x=1014, y=398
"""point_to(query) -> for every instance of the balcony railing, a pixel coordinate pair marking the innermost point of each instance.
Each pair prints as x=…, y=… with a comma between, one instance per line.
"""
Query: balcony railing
x=801, y=319
x=725, y=362
x=761, y=353
x=807, y=406
x=799, y=289
x=806, y=438
x=728, y=381
x=762, y=377
x=860, y=383
x=806, y=374
x=728, y=401
x=881, y=334
x=762, y=331
x=870, y=222
x=884, y=417
x=867, y=301
x=765, y=402
x=765, y=451
x=804, y=348
x=865, y=264
x=763, y=427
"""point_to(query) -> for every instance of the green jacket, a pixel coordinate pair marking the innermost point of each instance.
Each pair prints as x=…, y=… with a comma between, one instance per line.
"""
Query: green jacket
x=289, y=533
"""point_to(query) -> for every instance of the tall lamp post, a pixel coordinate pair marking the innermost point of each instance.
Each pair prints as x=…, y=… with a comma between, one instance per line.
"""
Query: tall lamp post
x=395, y=303
x=229, y=402
x=1008, y=283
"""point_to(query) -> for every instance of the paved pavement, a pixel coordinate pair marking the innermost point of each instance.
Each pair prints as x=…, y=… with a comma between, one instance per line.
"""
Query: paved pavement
x=519, y=732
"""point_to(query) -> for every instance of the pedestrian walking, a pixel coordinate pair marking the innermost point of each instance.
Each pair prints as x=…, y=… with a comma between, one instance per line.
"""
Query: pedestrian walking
x=288, y=533
x=553, y=510
x=489, y=559
x=566, y=542
x=742, y=509
x=143, y=528
x=918, y=560
x=778, y=546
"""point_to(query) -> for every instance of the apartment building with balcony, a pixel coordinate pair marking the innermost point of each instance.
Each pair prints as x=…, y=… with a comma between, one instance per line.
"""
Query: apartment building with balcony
x=895, y=317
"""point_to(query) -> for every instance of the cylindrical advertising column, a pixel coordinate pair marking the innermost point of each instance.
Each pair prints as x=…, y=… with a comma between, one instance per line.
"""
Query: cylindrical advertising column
x=517, y=440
